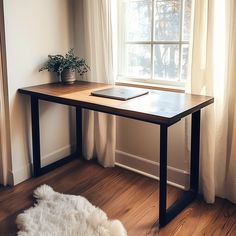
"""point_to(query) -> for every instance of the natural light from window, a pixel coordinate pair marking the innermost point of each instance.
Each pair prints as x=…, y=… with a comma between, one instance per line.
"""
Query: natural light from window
x=154, y=41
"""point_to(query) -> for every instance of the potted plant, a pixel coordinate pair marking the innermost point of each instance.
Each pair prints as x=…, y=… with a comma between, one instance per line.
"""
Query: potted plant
x=66, y=66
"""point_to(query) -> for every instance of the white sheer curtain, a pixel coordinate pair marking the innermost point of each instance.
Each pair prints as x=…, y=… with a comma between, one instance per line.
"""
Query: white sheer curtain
x=99, y=128
x=4, y=129
x=5, y=154
x=213, y=72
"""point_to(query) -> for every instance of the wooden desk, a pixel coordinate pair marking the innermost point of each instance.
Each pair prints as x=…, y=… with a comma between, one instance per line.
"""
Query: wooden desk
x=159, y=107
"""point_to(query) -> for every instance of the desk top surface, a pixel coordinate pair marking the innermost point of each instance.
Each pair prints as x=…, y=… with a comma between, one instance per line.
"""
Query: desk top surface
x=156, y=106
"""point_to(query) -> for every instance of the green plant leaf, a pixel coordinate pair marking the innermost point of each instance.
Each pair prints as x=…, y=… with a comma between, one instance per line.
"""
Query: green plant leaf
x=57, y=63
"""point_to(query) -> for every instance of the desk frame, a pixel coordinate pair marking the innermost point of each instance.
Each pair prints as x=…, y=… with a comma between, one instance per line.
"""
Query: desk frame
x=165, y=215
x=37, y=169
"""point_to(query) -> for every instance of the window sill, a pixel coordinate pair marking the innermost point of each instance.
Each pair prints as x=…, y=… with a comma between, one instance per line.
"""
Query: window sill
x=151, y=86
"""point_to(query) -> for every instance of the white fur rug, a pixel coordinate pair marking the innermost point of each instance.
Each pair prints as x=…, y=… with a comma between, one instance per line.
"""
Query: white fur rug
x=65, y=215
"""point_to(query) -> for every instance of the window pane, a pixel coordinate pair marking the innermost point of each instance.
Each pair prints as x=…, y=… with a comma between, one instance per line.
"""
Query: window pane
x=166, y=61
x=167, y=19
x=184, y=62
x=138, y=20
x=187, y=19
x=138, y=60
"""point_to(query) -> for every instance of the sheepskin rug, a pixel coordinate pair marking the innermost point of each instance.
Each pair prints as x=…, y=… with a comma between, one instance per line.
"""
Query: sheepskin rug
x=65, y=215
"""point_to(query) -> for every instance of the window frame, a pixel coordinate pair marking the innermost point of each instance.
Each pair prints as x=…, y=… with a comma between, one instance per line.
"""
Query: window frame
x=122, y=42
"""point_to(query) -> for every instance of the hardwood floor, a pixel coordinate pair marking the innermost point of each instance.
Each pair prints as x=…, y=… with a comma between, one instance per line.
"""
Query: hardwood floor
x=124, y=195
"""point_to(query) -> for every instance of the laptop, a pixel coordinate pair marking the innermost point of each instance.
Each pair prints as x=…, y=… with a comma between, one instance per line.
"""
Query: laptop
x=120, y=93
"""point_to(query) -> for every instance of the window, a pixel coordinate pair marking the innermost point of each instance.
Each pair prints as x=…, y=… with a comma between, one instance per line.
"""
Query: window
x=154, y=41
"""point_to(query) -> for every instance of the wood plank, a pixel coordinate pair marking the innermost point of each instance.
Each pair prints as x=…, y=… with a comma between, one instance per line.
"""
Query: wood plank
x=122, y=194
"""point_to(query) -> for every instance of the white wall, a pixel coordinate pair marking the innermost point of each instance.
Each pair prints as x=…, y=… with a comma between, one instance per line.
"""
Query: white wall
x=34, y=29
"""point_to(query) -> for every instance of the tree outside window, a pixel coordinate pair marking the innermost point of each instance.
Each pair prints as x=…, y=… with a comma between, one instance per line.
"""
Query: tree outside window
x=155, y=40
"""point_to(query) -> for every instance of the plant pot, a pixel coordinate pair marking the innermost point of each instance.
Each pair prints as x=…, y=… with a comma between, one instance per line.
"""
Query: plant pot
x=68, y=76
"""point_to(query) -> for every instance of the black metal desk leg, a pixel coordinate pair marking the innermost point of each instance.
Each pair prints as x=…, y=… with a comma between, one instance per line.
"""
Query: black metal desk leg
x=35, y=135
x=37, y=169
x=79, y=131
x=163, y=174
x=195, y=140
x=166, y=215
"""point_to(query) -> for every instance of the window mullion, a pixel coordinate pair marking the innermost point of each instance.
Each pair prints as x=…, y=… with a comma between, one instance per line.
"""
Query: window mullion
x=180, y=39
x=156, y=42
x=152, y=39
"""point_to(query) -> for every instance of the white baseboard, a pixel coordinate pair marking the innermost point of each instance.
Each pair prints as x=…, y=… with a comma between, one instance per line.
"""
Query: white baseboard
x=24, y=172
x=21, y=174
x=176, y=177
x=57, y=154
